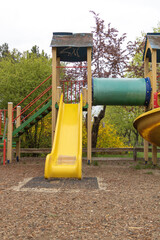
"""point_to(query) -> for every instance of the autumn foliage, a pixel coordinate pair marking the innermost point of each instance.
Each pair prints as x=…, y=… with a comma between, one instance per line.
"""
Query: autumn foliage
x=107, y=136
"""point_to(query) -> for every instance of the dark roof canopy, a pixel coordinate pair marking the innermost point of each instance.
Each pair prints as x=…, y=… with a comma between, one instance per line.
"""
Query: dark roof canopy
x=72, y=47
x=154, y=40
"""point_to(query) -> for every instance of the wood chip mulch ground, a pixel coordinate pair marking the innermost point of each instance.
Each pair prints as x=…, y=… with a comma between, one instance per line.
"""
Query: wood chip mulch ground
x=113, y=201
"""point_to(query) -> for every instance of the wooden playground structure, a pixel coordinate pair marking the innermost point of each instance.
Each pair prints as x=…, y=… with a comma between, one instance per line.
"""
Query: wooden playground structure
x=69, y=47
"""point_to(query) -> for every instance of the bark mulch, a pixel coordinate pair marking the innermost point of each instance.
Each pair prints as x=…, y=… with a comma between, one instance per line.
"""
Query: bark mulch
x=113, y=201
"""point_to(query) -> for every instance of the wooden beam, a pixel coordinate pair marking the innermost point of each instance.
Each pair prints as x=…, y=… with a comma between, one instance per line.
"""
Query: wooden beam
x=146, y=66
x=59, y=90
x=84, y=93
x=89, y=115
x=54, y=90
x=18, y=123
x=154, y=75
x=154, y=154
x=9, y=134
x=145, y=151
x=154, y=89
x=146, y=71
x=58, y=83
x=148, y=46
x=58, y=72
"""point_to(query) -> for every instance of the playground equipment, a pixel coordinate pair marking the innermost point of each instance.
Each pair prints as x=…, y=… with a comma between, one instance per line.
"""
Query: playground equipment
x=68, y=151
x=124, y=91
x=148, y=124
x=65, y=159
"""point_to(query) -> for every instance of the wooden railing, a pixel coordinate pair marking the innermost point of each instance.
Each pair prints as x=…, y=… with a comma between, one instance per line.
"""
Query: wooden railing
x=110, y=151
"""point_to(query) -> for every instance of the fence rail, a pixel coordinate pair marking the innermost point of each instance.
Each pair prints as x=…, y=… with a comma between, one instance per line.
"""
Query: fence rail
x=111, y=151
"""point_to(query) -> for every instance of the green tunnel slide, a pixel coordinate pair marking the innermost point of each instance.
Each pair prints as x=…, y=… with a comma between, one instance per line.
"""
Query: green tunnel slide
x=121, y=91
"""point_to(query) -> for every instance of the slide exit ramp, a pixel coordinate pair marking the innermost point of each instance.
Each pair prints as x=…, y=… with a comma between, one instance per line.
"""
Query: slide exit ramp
x=148, y=125
x=65, y=159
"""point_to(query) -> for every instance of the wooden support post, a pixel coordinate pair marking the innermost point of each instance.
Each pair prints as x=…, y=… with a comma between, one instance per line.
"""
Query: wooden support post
x=154, y=154
x=54, y=89
x=9, y=135
x=58, y=72
x=146, y=70
x=84, y=93
x=58, y=83
x=4, y=152
x=89, y=116
x=134, y=154
x=154, y=74
x=145, y=151
x=58, y=94
x=154, y=89
x=18, y=123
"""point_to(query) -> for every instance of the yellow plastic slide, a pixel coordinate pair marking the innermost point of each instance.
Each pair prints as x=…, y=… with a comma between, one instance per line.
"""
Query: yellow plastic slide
x=148, y=125
x=65, y=160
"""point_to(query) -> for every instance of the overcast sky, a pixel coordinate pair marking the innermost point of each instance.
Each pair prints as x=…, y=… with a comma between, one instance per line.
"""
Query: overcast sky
x=25, y=23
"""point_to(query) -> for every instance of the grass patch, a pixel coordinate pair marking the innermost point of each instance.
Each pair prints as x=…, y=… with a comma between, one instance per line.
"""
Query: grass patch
x=137, y=167
x=141, y=165
x=95, y=163
x=149, y=173
x=129, y=155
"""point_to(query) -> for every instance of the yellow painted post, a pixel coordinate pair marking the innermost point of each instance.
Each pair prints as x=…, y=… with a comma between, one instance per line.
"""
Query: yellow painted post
x=89, y=115
x=9, y=134
x=154, y=89
x=54, y=90
x=18, y=123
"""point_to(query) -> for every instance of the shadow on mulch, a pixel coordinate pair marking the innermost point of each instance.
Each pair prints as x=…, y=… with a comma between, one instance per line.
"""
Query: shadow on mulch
x=88, y=183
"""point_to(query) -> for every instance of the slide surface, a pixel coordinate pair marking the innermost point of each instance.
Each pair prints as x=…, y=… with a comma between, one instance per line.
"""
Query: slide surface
x=148, y=125
x=65, y=160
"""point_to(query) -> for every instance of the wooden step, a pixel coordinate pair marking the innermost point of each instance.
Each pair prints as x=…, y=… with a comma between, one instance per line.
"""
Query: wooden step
x=65, y=159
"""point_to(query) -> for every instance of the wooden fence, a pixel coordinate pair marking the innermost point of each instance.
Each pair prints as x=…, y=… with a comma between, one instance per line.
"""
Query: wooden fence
x=110, y=151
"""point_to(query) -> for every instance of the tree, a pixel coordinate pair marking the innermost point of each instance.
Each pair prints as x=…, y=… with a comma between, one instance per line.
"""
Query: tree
x=35, y=50
x=39, y=135
x=19, y=75
x=122, y=118
x=18, y=78
x=109, y=59
x=108, y=137
x=4, y=50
